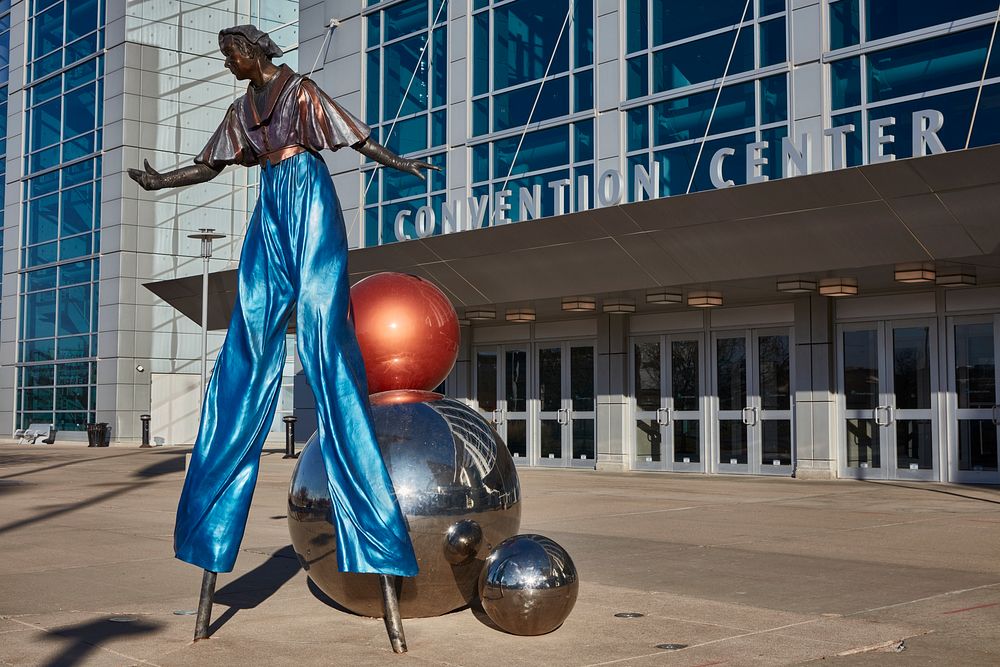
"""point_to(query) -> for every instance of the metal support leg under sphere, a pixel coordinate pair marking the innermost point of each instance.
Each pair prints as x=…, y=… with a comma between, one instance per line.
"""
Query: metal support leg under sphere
x=390, y=607
x=205, y=605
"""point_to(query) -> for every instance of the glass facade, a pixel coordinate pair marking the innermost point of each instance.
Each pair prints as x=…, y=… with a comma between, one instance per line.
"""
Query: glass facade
x=406, y=70
x=890, y=58
x=57, y=344
x=4, y=76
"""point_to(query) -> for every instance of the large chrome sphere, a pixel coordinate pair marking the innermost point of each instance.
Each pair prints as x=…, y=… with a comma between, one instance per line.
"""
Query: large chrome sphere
x=456, y=484
x=529, y=585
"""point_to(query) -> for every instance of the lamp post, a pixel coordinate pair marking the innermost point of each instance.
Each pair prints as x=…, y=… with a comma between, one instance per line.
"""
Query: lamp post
x=207, y=236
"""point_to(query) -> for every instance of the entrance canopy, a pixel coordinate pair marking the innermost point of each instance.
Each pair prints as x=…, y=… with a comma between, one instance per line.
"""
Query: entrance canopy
x=934, y=208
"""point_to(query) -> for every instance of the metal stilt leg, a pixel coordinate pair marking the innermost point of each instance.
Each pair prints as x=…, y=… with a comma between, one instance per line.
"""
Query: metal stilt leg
x=390, y=608
x=205, y=605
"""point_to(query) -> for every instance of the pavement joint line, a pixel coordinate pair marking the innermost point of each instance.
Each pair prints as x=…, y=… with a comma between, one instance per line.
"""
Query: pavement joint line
x=923, y=599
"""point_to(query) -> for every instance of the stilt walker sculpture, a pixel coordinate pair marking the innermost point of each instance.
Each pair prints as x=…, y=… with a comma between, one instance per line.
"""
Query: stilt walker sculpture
x=294, y=256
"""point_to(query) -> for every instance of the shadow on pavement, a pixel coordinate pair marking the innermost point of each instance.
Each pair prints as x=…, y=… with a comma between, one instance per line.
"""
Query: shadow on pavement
x=257, y=585
x=983, y=489
x=85, y=638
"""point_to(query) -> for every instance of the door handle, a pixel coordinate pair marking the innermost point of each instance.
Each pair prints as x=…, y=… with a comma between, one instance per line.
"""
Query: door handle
x=563, y=416
x=743, y=416
x=875, y=416
x=888, y=416
x=498, y=416
x=663, y=416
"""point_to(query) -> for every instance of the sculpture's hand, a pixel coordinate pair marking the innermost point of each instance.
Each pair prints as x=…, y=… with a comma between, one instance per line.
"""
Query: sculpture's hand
x=417, y=167
x=147, y=178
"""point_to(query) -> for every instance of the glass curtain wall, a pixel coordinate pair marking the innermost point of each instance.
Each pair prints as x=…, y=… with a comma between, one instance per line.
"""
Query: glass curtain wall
x=513, y=44
x=676, y=54
x=60, y=268
x=4, y=76
x=406, y=74
x=891, y=58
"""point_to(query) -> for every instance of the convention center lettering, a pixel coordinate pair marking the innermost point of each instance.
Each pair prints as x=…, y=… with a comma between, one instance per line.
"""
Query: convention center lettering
x=459, y=215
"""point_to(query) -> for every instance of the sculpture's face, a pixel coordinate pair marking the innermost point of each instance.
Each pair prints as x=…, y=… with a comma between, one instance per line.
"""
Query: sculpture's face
x=238, y=62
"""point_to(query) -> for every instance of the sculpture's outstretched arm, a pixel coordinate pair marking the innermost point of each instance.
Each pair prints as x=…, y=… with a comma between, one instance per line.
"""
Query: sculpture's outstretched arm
x=384, y=156
x=150, y=179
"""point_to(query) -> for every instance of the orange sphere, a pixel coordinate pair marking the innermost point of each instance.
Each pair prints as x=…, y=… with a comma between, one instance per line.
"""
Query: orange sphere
x=407, y=329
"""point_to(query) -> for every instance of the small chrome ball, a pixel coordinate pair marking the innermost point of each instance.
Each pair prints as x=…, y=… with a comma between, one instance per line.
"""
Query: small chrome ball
x=529, y=585
x=462, y=542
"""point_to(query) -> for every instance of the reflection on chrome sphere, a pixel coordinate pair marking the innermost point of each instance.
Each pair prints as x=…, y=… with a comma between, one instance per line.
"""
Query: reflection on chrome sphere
x=456, y=484
x=529, y=585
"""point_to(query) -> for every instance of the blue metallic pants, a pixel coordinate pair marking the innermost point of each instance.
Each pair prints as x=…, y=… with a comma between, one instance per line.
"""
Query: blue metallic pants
x=294, y=255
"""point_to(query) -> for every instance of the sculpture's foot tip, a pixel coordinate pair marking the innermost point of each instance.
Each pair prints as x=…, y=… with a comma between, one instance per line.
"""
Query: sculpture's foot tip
x=398, y=644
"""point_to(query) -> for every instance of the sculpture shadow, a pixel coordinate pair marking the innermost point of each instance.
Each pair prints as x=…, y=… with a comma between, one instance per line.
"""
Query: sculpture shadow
x=327, y=600
x=256, y=586
x=85, y=638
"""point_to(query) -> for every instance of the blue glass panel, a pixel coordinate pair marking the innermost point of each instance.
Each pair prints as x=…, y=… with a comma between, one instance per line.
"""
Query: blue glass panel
x=855, y=148
x=583, y=91
x=81, y=18
x=81, y=48
x=436, y=179
x=48, y=30
x=374, y=28
x=71, y=398
x=79, y=172
x=39, y=350
x=584, y=146
x=481, y=116
x=39, y=376
x=371, y=227
x=72, y=421
x=479, y=193
x=45, y=159
x=400, y=185
x=47, y=65
x=676, y=165
x=772, y=42
x=439, y=67
x=774, y=99
x=39, y=314
x=845, y=83
x=547, y=199
x=768, y=7
x=74, y=310
x=77, y=148
x=45, y=183
x=479, y=4
x=638, y=76
x=481, y=54
x=845, y=24
x=439, y=128
x=43, y=219
x=512, y=109
x=37, y=399
x=524, y=37
x=370, y=181
x=80, y=111
x=637, y=25
x=73, y=347
x=773, y=169
x=957, y=110
x=41, y=254
x=542, y=149
x=72, y=274
x=373, y=89
x=46, y=121
x=399, y=63
x=39, y=280
x=934, y=63
x=4, y=5
x=987, y=129
x=78, y=210
x=686, y=118
x=583, y=32
x=480, y=163
x=409, y=135
x=638, y=128
x=588, y=171
x=702, y=60
x=82, y=73
x=674, y=20
x=404, y=18
x=892, y=17
x=76, y=246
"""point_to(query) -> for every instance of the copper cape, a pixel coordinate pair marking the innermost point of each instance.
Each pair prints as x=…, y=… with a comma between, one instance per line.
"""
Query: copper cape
x=294, y=256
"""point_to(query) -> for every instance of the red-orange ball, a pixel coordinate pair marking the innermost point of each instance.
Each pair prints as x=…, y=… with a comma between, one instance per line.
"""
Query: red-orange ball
x=407, y=329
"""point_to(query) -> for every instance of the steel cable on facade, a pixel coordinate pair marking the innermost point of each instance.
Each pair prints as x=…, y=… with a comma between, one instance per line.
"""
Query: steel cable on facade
x=982, y=79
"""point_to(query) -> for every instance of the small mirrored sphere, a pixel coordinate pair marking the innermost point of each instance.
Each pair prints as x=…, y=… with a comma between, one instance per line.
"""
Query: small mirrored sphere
x=456, y=484
x=529, y=585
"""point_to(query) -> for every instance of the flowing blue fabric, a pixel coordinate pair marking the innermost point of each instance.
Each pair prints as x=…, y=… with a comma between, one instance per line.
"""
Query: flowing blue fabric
x=294, y=255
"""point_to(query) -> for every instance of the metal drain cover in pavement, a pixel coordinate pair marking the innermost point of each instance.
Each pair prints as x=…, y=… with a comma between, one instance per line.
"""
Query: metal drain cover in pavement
x=671, y=647
x=123, y=619
x=629, y=614
x=185, y=612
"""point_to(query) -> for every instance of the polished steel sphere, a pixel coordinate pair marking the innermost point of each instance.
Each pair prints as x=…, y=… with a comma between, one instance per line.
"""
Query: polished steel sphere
x=407, y=330
x=456, y=484
x=529, y=585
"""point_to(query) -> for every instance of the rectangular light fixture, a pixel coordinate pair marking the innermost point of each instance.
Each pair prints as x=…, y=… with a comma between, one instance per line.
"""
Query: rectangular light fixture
x=464, y=323
x=520, y=315
x=705, y=299
x=838, y=287
x=914, y=273
x=481, y=314
x=957, y=279
x=664, y=296
x=619, y=306
x=579, y=304
x=796, y=286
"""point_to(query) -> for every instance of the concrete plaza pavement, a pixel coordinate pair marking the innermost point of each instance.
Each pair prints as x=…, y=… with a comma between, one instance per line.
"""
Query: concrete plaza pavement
x=744, y=571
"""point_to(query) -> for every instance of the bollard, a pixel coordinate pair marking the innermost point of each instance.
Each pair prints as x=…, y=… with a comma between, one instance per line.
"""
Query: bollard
x=289, y=438
x=145, y=431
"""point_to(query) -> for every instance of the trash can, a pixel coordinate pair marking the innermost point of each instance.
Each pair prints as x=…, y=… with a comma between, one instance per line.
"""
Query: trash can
x=97, y=434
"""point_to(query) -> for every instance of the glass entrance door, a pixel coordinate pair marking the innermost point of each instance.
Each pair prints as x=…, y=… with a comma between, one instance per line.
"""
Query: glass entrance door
x=888, y=372
x=502, y=394
x=667, y=404
x=566, y=404
x=974, y=345
x=753, y=426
